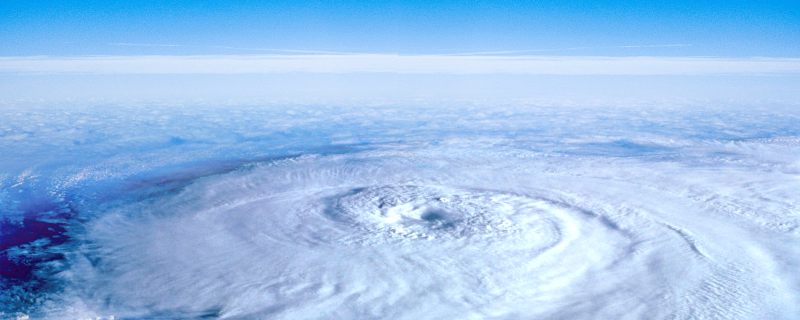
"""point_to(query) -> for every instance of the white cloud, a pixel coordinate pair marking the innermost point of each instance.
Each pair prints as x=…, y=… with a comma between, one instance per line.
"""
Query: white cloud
x=399, y=64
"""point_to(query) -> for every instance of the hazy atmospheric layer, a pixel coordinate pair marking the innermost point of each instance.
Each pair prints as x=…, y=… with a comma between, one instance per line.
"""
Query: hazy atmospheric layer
x=406, y=213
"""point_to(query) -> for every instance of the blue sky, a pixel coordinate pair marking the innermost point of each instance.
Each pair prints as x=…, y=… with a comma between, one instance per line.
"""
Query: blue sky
x=611, y=28
x=352, y=52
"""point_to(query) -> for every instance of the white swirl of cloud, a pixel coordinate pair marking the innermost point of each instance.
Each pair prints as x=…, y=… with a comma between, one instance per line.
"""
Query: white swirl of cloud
x=456, y=230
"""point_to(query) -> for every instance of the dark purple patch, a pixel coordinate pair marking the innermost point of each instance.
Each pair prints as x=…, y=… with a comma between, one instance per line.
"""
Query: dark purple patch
x=25, y=233
x=14, y=234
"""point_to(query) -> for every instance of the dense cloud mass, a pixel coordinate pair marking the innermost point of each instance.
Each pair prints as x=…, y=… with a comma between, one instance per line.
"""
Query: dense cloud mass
x=403, y=213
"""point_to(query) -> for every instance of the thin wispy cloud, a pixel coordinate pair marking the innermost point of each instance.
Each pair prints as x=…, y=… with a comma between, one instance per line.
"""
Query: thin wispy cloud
x=533, y=51
x=229, y=48
x=672, y=45
x=401, y=64
x=149, y=45
x=336, y=52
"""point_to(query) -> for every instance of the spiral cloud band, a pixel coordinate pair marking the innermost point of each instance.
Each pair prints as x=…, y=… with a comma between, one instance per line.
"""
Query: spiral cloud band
x=562, y=214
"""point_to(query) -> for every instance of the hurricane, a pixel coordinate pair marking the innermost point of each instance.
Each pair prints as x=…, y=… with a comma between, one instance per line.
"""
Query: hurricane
x=402, y=213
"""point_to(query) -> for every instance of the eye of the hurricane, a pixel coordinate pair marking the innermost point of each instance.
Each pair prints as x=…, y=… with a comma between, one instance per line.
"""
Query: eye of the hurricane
x=427, y=213
x=410, y=215
x=435, y=216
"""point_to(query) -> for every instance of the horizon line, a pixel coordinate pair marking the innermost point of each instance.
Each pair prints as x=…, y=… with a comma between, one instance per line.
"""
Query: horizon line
x=398, y=64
